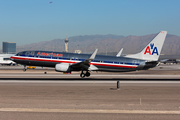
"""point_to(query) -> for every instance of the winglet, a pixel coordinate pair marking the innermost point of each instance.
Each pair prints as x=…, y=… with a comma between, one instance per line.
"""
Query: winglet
x=92, y=56
x=85, y=64
x=119, y=53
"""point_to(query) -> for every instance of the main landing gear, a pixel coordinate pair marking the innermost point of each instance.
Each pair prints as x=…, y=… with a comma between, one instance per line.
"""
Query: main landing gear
x=87, y=74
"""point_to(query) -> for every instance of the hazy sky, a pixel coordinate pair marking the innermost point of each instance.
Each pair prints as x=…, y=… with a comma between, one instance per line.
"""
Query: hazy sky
x=29, y=21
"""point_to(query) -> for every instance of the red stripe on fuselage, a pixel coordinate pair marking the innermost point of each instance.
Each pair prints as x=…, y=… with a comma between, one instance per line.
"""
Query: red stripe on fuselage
x=112, y=65
x=52, y=60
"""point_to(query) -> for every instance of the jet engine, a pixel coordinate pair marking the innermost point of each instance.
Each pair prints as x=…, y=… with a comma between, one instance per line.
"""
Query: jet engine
x=62, y=67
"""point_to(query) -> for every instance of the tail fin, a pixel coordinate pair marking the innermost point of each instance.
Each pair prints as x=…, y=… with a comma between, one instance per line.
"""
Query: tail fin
x=152, y=51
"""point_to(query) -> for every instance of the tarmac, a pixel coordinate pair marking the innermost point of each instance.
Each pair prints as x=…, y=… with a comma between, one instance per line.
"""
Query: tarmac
x=151, y=94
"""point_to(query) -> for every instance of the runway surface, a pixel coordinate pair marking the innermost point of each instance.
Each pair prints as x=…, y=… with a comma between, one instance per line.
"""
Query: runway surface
x=152, y=94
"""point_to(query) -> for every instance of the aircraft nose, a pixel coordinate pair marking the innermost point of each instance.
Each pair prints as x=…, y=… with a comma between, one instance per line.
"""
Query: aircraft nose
x=11, y=58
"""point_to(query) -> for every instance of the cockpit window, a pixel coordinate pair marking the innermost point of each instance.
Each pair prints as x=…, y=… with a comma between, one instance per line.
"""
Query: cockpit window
x=29, y=53
x=19, y=54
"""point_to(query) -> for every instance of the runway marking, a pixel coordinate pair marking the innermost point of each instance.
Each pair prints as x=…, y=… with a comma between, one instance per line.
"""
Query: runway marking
x=94, y=82
x=44, y=75
x=87, y=111
x=90, y=82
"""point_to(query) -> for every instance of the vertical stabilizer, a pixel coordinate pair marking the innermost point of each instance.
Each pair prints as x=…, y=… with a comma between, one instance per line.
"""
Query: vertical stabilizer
x=152, y=51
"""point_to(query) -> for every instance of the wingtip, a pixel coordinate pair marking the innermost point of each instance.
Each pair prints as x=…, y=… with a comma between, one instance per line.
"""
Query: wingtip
x=163, y=31
x=93, y=54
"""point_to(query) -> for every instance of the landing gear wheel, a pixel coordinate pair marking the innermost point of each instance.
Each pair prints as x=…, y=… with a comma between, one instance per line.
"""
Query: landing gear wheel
x=82, y=75
x=24, y=68
x=87, y=74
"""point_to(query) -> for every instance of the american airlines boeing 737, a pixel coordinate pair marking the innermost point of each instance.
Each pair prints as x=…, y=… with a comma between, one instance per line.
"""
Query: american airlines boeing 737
x=68, y=62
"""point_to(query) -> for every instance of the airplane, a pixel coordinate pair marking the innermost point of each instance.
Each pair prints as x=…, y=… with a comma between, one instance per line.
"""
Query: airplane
x=68, y=62
x=5, y=59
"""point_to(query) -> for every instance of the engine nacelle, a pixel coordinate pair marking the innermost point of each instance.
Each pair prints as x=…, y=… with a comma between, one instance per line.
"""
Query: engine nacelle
x=62, y=67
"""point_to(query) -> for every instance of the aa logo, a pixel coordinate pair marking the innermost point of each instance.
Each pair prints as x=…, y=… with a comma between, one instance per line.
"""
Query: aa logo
x=151, y=48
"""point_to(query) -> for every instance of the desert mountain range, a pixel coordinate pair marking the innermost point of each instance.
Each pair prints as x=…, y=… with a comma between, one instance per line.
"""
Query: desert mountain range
x=109, y=44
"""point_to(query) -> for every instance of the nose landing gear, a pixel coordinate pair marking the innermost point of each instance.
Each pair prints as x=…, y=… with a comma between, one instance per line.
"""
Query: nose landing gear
x=24, y=68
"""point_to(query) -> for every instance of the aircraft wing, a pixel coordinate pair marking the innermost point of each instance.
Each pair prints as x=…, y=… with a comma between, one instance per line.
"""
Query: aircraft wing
x=85, y=65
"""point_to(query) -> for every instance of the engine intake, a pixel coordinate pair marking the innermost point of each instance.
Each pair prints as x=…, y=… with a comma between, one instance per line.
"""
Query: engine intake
x=62, y=67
